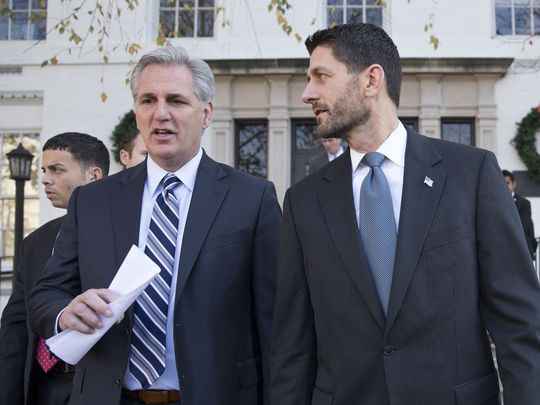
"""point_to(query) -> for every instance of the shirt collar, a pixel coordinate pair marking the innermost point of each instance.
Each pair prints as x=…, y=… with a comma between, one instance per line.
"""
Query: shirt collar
x=393, y=148
x=187, y=173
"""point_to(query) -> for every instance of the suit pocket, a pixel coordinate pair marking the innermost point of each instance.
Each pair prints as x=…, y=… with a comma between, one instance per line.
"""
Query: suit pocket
x=223, y=241
x=250, y=372
x=478, y=391
x=446, y=236
x=321, y=398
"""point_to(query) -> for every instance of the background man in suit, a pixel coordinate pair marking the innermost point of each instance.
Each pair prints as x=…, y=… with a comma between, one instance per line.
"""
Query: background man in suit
x=69, y=160
x=390, y=273
x=524, y=209
x=332, y=149
x=133, y=151
x=214, y=308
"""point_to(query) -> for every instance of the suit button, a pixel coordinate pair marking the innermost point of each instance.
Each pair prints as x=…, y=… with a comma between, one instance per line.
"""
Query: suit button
x=388, y=350
x=126, y=333
x=117, y=383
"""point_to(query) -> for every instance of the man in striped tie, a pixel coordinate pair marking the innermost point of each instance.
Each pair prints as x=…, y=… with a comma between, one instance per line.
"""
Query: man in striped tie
x=199, y=334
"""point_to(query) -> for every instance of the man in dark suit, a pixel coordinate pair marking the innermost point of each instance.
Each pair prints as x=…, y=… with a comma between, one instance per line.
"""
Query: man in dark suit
x=398, y=255
x=332, y=149
x=69, y=160
x=217, y=315
x=524, y=210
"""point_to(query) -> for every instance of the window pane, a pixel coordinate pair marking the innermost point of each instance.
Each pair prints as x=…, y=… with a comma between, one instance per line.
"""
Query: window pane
x=185, y=23
x=374, y=16
x=334, y=2
x=206, y=23
x=8, y=212
x=187, y=4
x=503, y=17
x=253, y=149
x=4, y=20
x=457, y=132
x=521, y=2
x=536, y=12
x=38, y=26
x=354, y=15
x=358, y=2
x=20, y=4
x=166, y=20
x=167, y=3
x=306, y=139
x=9, y=245
x=334, y=16
x=19, y=26
x=523, y=21
x=31, y=215
x=507, y=3
x=206, y=3
x=39, y=4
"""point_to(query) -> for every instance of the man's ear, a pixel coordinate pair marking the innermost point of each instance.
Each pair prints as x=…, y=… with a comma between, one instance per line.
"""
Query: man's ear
x=95, y=173
x=124, y=157
x=208, y=111
x=374, y=76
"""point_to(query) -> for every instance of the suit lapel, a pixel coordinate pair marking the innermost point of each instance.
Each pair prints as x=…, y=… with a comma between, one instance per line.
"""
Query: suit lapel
x=208, y=195
x=126, y=204
x=337, y=205
x=418, y=205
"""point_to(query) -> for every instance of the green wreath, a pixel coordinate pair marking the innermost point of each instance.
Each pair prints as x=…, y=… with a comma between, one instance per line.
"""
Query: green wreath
x=525, y=142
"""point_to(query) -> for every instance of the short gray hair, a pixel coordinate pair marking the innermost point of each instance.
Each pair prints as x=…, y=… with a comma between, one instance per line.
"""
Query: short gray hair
x=204, y=84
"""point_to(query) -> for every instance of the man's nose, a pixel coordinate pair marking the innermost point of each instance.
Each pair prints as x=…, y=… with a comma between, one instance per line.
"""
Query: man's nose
x=162, y=112
x=309, y=94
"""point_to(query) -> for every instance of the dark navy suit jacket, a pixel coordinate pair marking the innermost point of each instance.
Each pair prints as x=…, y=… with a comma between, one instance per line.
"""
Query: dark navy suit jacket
x=225, y=289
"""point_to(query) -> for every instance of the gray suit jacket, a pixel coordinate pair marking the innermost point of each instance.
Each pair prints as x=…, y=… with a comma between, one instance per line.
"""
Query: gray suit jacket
x=461, y=266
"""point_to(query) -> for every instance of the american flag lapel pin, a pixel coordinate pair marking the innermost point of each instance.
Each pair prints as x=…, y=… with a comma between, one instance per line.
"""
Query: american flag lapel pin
x=428, y=182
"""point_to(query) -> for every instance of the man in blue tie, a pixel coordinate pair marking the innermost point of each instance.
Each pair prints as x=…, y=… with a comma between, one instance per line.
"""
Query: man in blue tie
x=397, y=256
x=200, y=333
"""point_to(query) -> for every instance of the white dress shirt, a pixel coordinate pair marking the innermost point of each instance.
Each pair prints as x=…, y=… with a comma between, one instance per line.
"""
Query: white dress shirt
x=393, y=167
x=339, y=153
x=187, y=174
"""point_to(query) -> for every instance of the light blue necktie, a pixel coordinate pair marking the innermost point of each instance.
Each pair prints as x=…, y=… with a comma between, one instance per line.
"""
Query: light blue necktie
x=378, y=226
x=148, y=342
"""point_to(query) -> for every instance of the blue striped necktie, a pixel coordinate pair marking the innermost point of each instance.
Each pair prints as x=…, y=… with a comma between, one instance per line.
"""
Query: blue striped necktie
x=378, y=226
x=148, y=342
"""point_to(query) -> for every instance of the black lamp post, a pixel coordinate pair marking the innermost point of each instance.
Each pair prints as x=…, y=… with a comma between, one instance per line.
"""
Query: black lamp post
x=20, y=165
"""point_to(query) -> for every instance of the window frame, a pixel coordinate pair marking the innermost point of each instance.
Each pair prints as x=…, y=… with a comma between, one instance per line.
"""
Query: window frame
x=531, y=7
x=197, y=9
x=250, y=121
x=345, y=6
x=28, y=19
x=471, y=121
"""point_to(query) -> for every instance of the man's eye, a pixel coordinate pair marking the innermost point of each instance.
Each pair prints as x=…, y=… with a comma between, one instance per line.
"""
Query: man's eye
x=322, y=76
x=145, y=101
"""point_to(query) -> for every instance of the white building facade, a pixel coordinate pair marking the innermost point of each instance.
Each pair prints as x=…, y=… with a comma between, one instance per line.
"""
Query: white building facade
x=473, y=87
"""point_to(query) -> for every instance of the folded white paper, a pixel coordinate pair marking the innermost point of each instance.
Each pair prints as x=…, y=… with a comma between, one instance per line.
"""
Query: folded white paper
x=135, y=273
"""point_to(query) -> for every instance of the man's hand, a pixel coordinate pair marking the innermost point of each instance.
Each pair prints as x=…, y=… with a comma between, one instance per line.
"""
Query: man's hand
x=82, y=313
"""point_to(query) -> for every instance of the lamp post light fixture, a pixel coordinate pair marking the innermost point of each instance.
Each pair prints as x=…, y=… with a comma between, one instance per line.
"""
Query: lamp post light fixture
x=20, y=167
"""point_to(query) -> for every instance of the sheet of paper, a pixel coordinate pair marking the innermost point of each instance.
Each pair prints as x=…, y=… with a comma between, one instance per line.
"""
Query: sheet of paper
x=135, y=273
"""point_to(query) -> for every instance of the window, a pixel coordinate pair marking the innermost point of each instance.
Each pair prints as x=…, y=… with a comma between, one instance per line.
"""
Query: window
x=411, y=122
x=517, y=17
x=252, y=147
x=460, y=130
x=8, y=142
x=187, y=18
x=27, y=20
x=353, y=11
x=305, y=145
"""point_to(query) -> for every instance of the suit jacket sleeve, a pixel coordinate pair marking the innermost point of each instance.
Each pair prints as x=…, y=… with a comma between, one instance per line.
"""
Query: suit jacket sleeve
x=264, y=275
x=293, y=338
x=60, y=281
x=14, y=340
x=509, y=289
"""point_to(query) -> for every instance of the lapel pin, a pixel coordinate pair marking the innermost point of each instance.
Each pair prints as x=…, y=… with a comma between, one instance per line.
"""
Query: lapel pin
x=428, y=182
